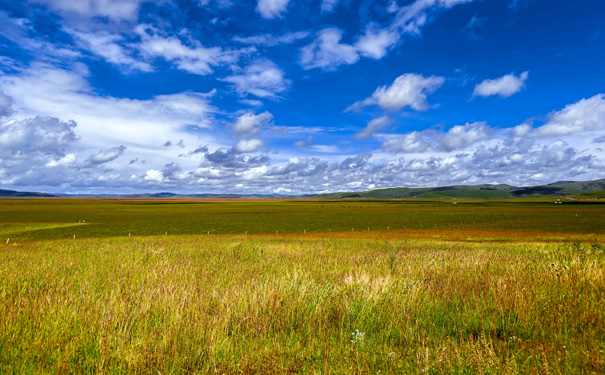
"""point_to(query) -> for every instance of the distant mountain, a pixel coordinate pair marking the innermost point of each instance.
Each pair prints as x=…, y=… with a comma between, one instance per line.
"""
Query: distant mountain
x=559, y=188
x=585, y=190
x=12, y=193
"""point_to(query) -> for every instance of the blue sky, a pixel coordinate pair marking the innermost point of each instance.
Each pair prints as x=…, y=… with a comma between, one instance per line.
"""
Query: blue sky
x=283, y=97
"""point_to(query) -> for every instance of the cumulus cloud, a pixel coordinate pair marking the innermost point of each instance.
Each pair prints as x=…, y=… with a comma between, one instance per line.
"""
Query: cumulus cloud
x=32, y=145
x=408, y=90
x=262, y=78
x=249, y=145
x=376, y=42
x=271, y=8
x=326, y=51
x=582, y=116
x=374, y=126
x=249, y=124
x=407, y=143
x=39, y=135
x=461, y=136
x=42, y=90
x=232, y=159
x=105, y=156
x=504, y=87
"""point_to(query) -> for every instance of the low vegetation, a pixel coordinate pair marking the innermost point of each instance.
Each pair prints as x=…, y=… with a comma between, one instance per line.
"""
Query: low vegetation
x=433, y=300
x=243, y=304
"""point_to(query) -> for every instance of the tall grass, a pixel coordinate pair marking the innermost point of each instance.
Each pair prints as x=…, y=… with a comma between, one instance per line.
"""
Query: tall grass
x=243, y=304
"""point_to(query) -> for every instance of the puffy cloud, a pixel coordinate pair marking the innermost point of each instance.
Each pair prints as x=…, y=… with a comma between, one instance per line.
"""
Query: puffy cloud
x=66, y=160
x=375, y=42
x=249, y=124
x=461, y=136
x=408, y=90
x=39, y=135
x=408, y=143
x=503, y=87
x=105, y=155
x=231, y=159
x=249, y=145
x=374, y=126
x=153, y=175
x=582, y=116
x=326, y=51
x=29, y=147
x=271, y=8
x=47, y=91
x=262, y=78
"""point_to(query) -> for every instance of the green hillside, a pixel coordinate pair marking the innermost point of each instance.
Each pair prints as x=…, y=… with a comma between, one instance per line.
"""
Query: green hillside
x=557, y=189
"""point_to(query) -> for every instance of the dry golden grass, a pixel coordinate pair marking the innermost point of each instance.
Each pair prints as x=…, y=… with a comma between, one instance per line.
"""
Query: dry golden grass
x=338, y=303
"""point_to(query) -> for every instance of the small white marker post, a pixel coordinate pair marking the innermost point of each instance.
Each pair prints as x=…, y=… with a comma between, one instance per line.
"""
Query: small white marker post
x=208, y=232
x=74, y=236
x=7, y=240
x=246, y=232
x=305, y=231
x=128, y=234
x=166, y=234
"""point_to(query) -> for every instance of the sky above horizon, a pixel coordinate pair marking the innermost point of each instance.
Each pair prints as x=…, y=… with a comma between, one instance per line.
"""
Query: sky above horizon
x=284, y=97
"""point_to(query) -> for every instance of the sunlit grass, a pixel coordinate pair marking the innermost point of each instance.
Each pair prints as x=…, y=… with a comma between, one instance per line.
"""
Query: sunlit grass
x=302, y=304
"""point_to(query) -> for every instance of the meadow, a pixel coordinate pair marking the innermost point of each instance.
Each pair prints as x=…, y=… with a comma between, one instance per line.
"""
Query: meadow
x=499, y=287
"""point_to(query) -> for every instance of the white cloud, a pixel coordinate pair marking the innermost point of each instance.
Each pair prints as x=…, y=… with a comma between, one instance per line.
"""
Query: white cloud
x=271, y=8
x=249, y=145
x=191, y=57
x=105, y=155
x=375, y=42
x=262, y=78
x=374, y=126
x=503, y=87
x=67, y=159
x=153, y=175
x=582, y=116
x=250, y=124
x=270, y=40
x=408, y=143
x=329, y=5
x=108, y=46
x=141, y=125
x=326, y=51
x=408, y=90
x=461, y=136
x=115, y=9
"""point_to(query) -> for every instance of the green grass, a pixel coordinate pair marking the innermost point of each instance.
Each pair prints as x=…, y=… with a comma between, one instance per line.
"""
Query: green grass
x=43, y=219
x=275, y=305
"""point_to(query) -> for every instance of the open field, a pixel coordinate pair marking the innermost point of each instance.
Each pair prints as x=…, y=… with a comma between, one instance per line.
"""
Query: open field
x=484, y=296
x=32, y=219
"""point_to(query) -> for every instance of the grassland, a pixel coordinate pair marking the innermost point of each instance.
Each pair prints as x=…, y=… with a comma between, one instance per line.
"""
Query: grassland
x=523, y=294
x=35, y=219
